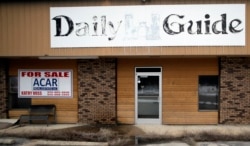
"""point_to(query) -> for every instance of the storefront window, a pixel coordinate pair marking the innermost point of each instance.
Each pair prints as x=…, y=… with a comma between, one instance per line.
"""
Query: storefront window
x=208, y=92
x=14, y=101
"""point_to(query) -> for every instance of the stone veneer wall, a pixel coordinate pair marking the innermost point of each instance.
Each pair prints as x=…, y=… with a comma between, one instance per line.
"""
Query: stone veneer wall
x=97, y=91
x=235, y=90
x=3, y=90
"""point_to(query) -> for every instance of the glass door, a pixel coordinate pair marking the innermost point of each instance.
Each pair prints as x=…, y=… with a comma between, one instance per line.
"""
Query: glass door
x=148, y=98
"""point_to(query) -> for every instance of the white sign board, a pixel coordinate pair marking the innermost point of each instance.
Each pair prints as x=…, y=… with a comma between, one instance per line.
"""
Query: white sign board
x=150, y=25
x=45, y=83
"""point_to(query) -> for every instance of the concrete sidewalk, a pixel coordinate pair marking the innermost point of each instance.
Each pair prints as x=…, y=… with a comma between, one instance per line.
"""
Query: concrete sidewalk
x=157, y=129
x=176, y=130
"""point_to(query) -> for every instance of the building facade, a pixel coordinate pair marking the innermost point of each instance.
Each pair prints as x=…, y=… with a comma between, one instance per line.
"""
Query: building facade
x=188, y=81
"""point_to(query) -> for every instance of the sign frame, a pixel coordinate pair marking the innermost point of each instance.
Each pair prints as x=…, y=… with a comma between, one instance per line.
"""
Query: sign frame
x=149, y=25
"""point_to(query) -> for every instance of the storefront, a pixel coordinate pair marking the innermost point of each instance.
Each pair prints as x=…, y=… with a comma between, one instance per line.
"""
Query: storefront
x=152, y=62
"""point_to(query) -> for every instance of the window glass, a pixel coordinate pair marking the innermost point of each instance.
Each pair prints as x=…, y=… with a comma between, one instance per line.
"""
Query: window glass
x=14, y=101
x=208, y=92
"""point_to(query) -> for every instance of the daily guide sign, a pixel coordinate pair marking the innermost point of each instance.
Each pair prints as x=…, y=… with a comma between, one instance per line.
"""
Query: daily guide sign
x=148, y=25
x=45, y=83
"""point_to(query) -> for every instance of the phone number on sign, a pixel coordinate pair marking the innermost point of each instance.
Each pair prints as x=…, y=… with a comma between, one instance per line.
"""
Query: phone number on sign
x=58, y=93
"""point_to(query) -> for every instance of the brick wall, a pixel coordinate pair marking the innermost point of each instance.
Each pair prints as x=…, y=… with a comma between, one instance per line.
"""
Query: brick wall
x=235, y=90
x=3, y=90
x=97, y=91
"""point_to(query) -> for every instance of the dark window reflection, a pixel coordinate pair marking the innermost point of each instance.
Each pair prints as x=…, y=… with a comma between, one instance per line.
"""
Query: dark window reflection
x=148, y=69
x=13, y=100
x=208, y=92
